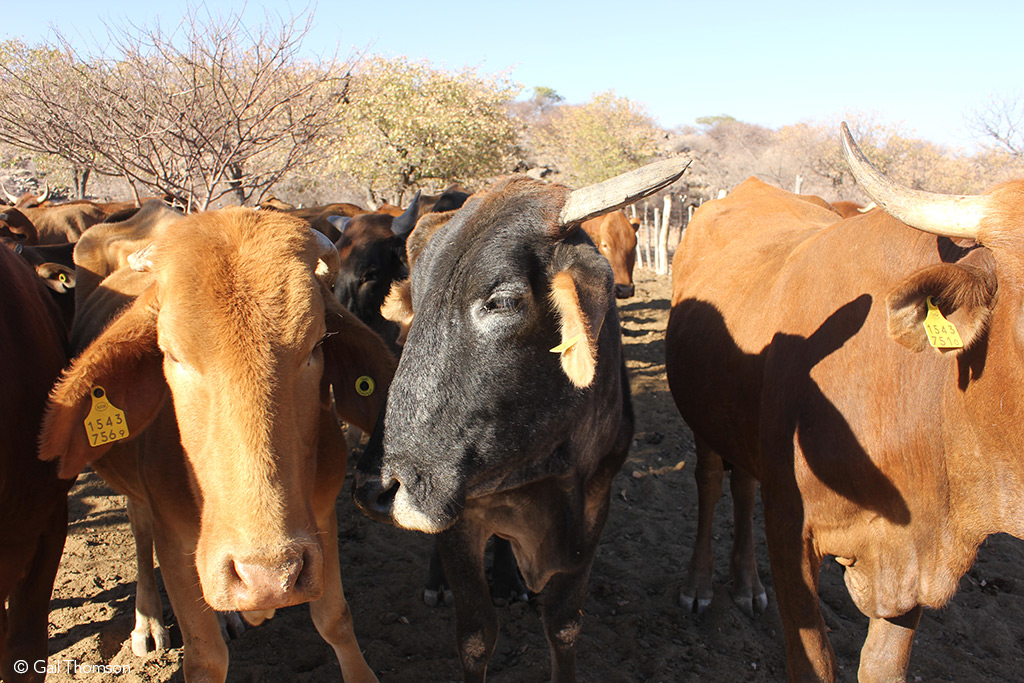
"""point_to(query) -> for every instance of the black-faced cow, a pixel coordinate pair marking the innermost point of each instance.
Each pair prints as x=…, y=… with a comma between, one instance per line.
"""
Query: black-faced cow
x=510, y=412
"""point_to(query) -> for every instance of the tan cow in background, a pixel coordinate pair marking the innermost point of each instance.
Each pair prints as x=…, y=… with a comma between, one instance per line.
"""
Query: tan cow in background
x=614, y=235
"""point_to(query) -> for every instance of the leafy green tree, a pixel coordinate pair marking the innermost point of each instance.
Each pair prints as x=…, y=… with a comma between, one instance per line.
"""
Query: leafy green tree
x=594, y=141
x=408, y=125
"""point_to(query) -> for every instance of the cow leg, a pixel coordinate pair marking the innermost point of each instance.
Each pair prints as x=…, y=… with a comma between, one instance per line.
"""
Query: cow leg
x=28, y=605
x=747, y=591
x=563, y=621
x=508, y=584
x=149, y=612
x=331, y=614
x=436, y=589
x=206, y=653
x=886, y=652
x=795, y=565
x=476, y=620
x=696, y=593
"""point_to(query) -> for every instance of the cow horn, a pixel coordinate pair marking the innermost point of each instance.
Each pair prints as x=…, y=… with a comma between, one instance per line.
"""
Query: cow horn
x=947, y=215
x=403, y=225
x=11, y=198
x=329, y=262
x=141, y=261
x=594, y=200
x=45, y=195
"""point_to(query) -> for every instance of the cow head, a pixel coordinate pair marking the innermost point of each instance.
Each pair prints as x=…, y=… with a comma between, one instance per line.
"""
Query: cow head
x=372, y=257
x=514, y=327
x=615, y=237
x=965, y=290
x=15, y=225
x=238, y=331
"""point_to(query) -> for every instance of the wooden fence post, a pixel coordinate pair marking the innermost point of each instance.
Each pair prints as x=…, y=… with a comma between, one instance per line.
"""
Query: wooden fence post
x=662, y=261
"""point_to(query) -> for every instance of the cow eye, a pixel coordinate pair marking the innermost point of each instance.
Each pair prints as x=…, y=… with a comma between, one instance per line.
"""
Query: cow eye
x=502, y=302
x=368, y=276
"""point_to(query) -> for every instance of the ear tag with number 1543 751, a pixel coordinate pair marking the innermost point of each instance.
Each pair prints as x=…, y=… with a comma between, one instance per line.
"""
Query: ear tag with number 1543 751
x=942, y=334
x=105, y=422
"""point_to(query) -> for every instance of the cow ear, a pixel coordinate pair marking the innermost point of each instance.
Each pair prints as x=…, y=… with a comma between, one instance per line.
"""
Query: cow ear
x=126, y=362
x=580, y=317
x=425, y=229
x=964, y=293
x=357, y=363
x=397, y=308
x=56, y=276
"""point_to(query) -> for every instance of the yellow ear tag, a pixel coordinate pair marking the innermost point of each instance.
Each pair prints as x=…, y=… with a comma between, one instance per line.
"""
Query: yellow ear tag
x=365, y=385
x=62, y=277
x=566, y=345
x=105, y=423
x=942, y=334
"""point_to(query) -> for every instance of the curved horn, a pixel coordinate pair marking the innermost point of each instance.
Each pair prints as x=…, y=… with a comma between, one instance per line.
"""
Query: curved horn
x=403, y=225
x=11, y=198
x=45, y=195
x=329, y=262
x=947, y=215
x=594, y=200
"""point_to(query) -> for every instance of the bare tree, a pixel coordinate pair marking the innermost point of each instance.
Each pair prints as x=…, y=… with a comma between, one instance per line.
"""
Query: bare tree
x=212, y=108
x=1001, y=121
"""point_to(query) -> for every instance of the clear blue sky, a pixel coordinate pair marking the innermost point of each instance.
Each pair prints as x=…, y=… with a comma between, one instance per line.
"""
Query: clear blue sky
x=923, y=65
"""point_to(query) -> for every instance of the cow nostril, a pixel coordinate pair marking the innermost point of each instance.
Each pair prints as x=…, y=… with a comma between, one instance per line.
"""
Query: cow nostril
x=375, y=497
x=386, y=497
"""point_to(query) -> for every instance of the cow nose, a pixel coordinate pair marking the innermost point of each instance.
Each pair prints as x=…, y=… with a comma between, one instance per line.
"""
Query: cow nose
x=265, y=583
x=624, y=291
x=374, y=496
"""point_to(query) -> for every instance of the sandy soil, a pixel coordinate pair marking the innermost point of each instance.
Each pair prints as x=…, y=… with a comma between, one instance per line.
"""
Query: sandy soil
x=634, y=629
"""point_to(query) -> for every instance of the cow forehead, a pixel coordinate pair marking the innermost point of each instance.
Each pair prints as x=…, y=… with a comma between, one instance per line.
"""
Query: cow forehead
x=504, y=234
x=237, y=275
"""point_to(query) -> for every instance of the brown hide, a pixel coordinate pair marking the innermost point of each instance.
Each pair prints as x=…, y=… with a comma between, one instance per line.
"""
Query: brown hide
x=781, y=356
x=615, y=237
x=317, y=216
x=33, y=503
x=222, y=361
x=847, y=209
x=60, y=223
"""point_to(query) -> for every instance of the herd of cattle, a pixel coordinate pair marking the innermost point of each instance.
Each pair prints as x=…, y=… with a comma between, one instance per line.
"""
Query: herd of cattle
x=201, y=363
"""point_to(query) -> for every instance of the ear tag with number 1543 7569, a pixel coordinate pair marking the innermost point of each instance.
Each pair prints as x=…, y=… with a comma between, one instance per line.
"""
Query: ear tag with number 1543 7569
x=105, y=422
x=942, y=334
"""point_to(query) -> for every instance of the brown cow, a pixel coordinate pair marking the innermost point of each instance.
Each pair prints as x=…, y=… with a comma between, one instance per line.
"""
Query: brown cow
x=795, y=351
x=218, y=373
x=317, y=216
x=33, y=501
x=615, y=237
x=50, y=224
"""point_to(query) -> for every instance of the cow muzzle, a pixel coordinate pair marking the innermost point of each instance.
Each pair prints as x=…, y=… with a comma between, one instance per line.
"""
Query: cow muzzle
x=624, y=291
x=267, y=579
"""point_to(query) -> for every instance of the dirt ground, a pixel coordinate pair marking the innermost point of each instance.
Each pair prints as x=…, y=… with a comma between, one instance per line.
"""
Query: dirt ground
x=633, y=630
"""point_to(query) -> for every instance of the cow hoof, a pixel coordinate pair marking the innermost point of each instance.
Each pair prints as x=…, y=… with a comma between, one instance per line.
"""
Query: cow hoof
x=231, y=625
x=693, y=605
x=752, y=606
x=150, y=632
